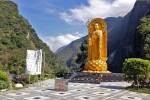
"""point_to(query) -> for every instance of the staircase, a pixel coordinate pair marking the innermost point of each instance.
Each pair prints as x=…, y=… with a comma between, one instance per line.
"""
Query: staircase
x=82, y=77
x=96, y=78
x=111, y=77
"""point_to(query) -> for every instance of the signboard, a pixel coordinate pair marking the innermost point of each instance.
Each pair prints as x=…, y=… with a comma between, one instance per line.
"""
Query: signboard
x=38, y=62
x=33, y=62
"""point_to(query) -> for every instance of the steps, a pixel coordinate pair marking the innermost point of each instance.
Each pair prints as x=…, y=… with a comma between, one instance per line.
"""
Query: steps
x=82, y=77
x=111, y=77
x=96, y=78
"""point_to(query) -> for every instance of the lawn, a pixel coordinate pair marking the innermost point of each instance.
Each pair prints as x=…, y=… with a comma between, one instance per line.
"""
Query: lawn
x=140, y=90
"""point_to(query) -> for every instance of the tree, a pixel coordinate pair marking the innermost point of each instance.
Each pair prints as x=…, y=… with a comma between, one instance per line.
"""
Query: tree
x=136, y=69
x=14, y=30
x=82, y=56
x=143, y=40
x=3, y=80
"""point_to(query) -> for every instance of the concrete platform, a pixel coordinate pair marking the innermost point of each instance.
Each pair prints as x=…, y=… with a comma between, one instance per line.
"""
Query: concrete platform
x=96, y=78
x=76, y=91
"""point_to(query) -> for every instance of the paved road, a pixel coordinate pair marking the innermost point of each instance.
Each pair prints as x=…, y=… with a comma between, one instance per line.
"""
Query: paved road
x=77, y=91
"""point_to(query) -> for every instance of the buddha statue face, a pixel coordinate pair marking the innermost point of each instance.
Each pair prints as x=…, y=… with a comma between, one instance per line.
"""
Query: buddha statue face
x=97, y=26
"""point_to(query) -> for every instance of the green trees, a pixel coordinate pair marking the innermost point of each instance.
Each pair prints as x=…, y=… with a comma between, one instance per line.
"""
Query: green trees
x=3, y=76
x=144, y=38
x=82, y=56
x=14, y=30
x=136, y=69
x=3, y=80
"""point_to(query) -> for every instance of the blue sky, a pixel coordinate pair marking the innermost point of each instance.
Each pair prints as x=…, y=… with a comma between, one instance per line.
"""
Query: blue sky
x=44, y=15
x=58, y=22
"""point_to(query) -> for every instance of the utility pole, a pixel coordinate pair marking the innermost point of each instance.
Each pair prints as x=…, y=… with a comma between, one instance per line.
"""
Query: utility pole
x=43, y=64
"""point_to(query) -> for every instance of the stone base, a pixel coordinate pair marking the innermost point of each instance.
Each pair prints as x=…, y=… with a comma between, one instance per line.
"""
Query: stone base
x=86, y=77
x=111, y=77
x=96, y=71
x=96, y=78
x=61, y=85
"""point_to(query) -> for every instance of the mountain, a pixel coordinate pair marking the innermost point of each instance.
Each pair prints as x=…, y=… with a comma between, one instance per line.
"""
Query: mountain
x=127, y=46
x=16, y=36
x=66, y=52
x=59, y=49
x=122, y=33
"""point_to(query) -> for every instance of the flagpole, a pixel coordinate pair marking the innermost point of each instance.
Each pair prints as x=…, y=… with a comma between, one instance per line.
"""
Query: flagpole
x=43, y=66
x=44, y=63
x=29, y=79
x=26, y=68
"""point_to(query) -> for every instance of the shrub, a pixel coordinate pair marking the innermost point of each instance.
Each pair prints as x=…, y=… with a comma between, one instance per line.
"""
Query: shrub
x=3, y=76
x=3, y=80
x=32, y=78
x=135, y=68
x=3, y=84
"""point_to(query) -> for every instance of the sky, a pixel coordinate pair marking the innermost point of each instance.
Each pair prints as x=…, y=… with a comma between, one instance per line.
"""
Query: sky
x=59, y=22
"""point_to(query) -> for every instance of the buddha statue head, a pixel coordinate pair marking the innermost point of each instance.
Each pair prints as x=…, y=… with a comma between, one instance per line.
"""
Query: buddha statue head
x=97, y=26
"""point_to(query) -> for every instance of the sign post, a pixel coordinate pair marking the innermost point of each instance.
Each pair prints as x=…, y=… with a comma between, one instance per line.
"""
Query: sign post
x=33, y=63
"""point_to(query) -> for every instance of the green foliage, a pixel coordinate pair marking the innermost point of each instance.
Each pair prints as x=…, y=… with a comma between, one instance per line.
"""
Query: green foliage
x=1, y=67
x=69, y=53
x=35, y=78
x=144, y=38
x=16, y=36
x=134, y=67
x=3, y=84
x=72, y=63
x=140, y=90
x=49, y=76
x=3, y=76
x=3, y=80
x=82, y=56
x=18, y=88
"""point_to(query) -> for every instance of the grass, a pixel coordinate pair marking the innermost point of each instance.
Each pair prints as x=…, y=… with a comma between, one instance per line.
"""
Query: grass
x=18, y=88
x=140, y=90
x=27, y=84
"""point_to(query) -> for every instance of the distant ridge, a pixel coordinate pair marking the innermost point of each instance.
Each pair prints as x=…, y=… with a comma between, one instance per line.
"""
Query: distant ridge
x=122, y=33
x=66, y=52
x=16, y=36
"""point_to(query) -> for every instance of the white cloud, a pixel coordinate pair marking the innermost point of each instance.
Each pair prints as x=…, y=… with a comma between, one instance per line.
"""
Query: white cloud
x=56, y=42
x=98, y=8
x=66, y=17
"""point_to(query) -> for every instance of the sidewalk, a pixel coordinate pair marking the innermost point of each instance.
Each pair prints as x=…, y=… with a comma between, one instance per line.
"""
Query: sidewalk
x=77, y=91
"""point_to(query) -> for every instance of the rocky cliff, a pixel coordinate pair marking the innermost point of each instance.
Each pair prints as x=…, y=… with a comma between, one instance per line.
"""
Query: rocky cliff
x=126, y=47
x=122, y=33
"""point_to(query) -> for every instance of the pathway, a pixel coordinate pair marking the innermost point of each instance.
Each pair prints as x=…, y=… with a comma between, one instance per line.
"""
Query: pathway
x=77, y=91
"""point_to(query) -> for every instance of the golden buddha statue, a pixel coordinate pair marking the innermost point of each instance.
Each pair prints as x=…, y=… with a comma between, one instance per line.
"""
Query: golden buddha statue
x=97, y=46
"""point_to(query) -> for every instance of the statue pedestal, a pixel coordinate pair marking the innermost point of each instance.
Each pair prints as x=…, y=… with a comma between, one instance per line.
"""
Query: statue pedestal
x=96, y=78
x=96, y=66
x=83, y=77
x=111, y=77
